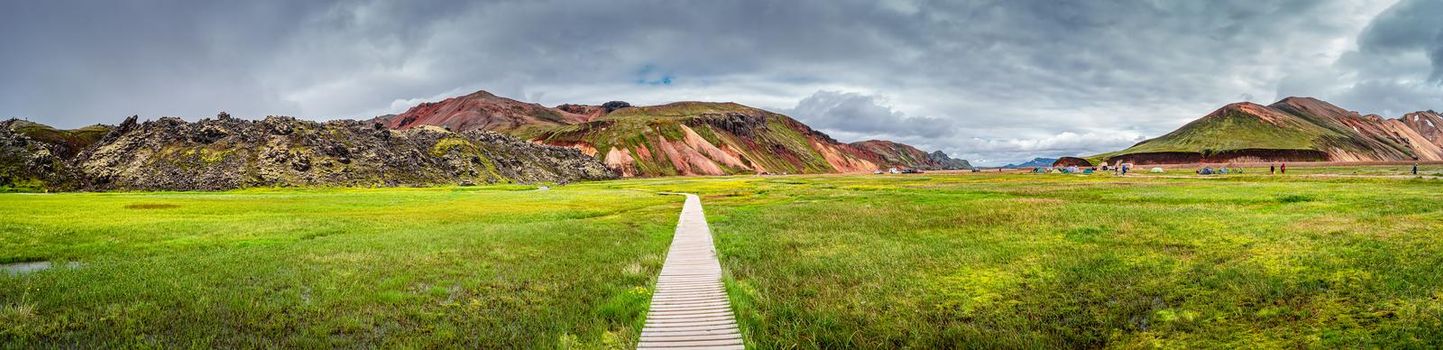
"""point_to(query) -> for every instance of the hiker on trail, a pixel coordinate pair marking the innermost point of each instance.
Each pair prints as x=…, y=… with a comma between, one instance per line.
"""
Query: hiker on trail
x=1283, y=169
x=1415, y=168
x=1272, y=169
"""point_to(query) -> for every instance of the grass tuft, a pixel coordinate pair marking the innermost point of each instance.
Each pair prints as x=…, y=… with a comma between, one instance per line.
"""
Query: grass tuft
x=1295, y=198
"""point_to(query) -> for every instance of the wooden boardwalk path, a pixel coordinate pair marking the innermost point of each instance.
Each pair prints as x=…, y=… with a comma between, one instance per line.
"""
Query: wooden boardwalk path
x=689, y=309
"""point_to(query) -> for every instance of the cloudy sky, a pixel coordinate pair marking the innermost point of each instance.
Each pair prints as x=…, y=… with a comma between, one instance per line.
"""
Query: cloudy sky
x=989, y=81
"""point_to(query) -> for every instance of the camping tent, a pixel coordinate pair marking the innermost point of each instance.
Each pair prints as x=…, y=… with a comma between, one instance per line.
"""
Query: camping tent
x=1157, y=170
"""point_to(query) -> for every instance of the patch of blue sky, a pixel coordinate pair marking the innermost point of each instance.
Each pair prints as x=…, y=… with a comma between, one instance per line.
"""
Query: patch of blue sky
x=651, y=75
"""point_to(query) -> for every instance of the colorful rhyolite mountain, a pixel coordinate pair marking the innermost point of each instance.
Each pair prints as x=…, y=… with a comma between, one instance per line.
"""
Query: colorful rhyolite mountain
x=1293, y=129
x=682, y=138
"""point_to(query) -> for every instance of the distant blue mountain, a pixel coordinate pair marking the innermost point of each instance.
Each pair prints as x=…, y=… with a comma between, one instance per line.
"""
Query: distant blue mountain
x=1035, y=162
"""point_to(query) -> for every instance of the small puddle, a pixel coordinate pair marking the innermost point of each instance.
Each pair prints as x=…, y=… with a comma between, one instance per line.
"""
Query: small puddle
x=21, y=268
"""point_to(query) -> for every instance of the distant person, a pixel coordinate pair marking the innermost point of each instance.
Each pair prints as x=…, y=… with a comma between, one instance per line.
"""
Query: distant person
x=1415, y=168
x=1283, y=169
x=1272, y=169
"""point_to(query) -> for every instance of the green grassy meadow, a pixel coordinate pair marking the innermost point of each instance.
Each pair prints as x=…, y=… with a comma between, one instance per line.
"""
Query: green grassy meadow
x=464, y=267
x=857, y=261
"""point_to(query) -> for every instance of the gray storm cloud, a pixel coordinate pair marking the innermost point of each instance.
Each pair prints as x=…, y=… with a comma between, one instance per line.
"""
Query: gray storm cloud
x=987, y=80
x=1396, y=68
x=863, y=114
x=1410, y=26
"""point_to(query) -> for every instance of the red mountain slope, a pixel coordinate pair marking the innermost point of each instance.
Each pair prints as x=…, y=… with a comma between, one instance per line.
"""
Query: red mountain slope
x=481, y=111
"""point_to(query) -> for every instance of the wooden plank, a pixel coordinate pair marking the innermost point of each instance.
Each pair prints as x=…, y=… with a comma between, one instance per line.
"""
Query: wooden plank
x=717, y=329
x=688, y=344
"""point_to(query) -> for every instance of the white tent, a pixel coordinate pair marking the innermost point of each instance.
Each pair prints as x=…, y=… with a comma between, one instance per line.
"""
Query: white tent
x=1157, y=169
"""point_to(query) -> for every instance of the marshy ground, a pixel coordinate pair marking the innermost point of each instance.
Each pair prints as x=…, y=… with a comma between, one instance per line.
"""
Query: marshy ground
x=857, y=261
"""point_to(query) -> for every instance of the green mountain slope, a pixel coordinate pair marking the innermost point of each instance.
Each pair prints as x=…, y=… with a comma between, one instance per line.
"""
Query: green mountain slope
x=1236, y=127
x=1293, y=129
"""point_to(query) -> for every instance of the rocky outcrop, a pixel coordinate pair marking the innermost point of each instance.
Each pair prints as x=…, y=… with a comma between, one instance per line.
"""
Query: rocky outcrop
x=590, y=112
x=29, y=163
x=227, y=153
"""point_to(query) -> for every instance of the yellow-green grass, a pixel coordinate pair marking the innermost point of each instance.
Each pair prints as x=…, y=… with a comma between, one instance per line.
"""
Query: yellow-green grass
x=1062, y=261
x=447, y=267
x=856, y=261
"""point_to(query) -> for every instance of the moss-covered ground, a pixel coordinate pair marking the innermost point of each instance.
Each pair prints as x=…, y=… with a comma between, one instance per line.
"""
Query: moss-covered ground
x=855, y=261
x=473, y=267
